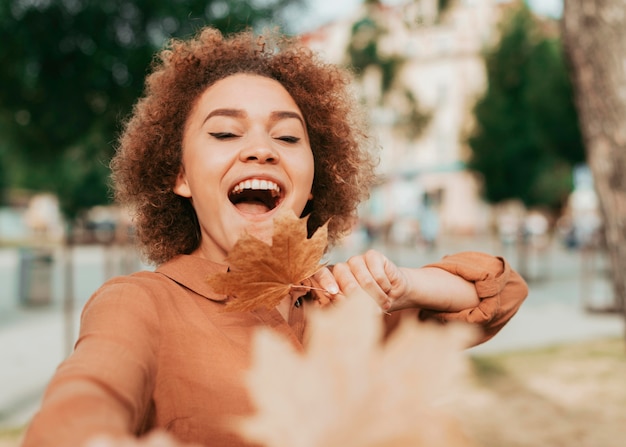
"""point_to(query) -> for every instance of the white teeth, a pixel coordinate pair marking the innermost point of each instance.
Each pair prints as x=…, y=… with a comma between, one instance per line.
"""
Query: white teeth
x=257, y=184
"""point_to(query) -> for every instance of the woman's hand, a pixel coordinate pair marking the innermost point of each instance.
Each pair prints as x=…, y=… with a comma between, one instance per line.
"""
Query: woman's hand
x=395, y=288
x=156, y=438
x=373, y=272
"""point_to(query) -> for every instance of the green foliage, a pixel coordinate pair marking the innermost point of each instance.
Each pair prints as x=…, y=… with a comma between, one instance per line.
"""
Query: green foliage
x=75, y=68
x=527, y=137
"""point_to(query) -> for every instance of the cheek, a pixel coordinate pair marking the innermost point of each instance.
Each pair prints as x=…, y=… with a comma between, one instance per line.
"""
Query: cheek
x=303, y=176
x=308, y=169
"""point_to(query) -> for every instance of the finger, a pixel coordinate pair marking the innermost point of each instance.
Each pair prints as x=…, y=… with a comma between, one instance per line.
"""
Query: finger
x=346, y=281
x=350, y=284
x=325, y=280
x=367, y=281
x=319, y=285
x=386, y=273
x=378, y=266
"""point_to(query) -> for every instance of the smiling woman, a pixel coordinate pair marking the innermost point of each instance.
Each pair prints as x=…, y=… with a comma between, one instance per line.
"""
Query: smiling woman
x=232, y=135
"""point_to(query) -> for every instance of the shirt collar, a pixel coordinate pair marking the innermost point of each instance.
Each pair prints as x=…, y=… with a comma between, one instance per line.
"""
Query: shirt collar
x=192, y=272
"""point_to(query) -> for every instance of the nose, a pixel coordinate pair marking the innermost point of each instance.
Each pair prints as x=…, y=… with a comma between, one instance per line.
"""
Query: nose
x=260, y=151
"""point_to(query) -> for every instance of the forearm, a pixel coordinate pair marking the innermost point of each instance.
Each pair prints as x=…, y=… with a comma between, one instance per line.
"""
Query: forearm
x=436, y=289
x=73, y=413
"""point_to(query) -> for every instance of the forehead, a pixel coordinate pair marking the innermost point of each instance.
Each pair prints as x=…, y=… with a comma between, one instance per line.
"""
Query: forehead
x=248, y=90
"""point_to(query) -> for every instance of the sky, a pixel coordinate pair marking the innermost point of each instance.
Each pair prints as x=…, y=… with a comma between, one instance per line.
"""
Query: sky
x=322, y=11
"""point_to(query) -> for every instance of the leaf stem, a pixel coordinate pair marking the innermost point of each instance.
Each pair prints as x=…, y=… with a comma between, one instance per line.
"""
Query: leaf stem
x=302, y=286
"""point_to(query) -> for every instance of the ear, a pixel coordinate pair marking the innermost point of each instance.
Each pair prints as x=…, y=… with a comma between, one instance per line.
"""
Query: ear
x=311, y=195
x=181, y=186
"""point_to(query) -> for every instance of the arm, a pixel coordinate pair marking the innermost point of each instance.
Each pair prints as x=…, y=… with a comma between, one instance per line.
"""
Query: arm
x=501, y=291
x=472, y=287
x=104, y=387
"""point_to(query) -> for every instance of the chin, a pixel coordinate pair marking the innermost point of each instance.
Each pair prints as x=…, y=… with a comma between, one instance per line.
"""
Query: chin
x=261, y=229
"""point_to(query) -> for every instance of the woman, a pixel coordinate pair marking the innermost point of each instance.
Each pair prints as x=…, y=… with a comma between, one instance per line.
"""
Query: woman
x=231, y=132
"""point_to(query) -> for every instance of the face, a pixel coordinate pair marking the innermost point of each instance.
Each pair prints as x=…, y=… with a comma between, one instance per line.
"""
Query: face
x=246, y=155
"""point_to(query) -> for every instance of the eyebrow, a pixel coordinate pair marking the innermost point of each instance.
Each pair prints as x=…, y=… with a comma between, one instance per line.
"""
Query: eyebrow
x=238, y=113
x=286, y=114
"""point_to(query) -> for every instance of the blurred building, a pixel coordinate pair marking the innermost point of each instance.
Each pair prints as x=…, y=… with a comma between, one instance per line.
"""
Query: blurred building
x=445, y=70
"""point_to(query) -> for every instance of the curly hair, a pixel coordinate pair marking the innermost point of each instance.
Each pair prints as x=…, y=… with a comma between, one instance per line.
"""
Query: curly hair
x=149, y=154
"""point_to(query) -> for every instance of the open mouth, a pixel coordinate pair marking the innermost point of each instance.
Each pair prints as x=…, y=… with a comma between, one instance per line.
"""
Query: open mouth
x=255, y=196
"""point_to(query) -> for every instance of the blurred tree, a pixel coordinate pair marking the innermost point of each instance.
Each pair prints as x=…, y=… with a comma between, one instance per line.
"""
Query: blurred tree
x=365, y=54
x=595, y=41
x=526, y=138
x=72, y=69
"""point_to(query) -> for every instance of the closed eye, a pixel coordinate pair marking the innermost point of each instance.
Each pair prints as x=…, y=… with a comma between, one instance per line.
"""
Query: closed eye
x=222, y=135
x=289, y=139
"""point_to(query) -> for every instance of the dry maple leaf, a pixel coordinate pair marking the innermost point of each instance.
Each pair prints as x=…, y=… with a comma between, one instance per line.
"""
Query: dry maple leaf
x=351, y=387
x=261, y=274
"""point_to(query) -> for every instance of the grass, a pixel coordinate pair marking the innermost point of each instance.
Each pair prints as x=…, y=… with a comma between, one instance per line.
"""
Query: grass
x=570, y=395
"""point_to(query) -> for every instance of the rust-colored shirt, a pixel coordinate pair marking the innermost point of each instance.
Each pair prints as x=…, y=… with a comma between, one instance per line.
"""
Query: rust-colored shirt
x=156, y=350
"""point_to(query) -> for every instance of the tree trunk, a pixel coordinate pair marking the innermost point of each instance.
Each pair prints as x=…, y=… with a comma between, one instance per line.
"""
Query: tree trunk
x=594, y=35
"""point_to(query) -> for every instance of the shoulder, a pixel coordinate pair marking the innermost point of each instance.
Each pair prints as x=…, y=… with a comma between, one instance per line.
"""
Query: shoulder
x=139, y=281
x=134, y=286
x=138, y=293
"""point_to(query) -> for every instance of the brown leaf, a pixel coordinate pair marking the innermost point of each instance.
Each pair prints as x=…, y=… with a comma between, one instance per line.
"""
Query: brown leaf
x=261, y=274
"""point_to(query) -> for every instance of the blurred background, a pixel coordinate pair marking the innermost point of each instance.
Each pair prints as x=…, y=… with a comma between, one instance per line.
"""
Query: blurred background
x=498, y=123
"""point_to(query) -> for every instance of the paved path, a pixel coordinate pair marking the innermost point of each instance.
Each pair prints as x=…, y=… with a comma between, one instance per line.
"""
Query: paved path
x=32, y=340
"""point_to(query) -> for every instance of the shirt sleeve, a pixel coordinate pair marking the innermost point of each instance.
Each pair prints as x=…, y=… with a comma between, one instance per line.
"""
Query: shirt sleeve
x=105, y=385
x=500, y=289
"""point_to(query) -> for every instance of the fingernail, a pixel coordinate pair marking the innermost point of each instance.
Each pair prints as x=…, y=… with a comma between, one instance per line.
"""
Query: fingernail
x=333, y=290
